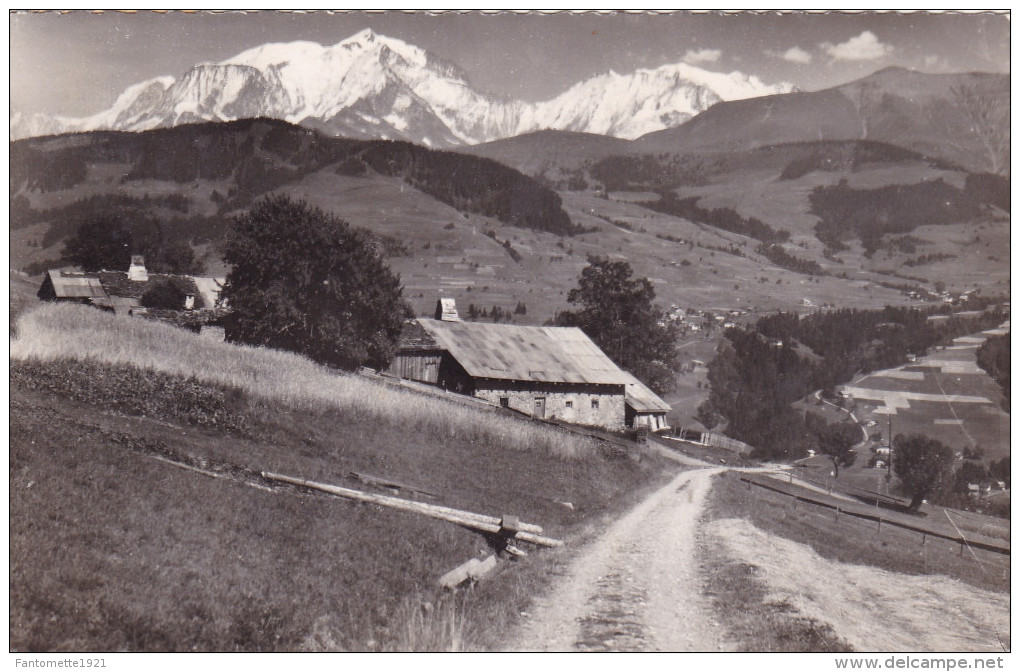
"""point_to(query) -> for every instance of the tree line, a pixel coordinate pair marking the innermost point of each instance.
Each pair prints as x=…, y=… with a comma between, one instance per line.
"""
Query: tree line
x=993, y=357
x=759, y=372
x=868, y=214
x=724, y=218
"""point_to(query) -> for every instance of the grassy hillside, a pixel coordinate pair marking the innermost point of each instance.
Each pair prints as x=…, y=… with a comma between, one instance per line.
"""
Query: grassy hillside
x=914, y=110
x=550, y=154
x=439, y=249
x=112, y=548
x=856, y=541
x=192, y=177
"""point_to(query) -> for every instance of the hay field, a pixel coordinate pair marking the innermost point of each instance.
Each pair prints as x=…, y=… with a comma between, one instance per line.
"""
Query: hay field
x=54, y=331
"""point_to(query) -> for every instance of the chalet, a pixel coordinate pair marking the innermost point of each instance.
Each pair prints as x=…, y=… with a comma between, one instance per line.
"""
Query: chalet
x=544, y=372
x=121, y=292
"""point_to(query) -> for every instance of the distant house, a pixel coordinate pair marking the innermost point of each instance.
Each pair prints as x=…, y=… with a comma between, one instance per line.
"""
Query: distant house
x=544, y=372
x=121, y=292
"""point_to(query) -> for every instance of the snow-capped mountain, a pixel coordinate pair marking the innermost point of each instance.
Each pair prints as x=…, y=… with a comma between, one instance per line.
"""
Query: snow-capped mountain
x=629, y=106
x=374, y=86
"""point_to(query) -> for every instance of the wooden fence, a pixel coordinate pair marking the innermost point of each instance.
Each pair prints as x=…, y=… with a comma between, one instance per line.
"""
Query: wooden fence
x=714, y=440
x=881, y=520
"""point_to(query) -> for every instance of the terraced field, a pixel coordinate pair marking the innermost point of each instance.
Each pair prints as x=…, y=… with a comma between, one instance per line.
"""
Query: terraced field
x=944, y=394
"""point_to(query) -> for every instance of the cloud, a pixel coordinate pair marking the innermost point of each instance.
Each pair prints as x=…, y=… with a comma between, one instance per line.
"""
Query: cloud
x=793, y=55
x=864, y=47
x=935, y=63
x=703, y=55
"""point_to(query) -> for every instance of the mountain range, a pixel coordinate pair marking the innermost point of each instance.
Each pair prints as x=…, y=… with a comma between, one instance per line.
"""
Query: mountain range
x=377, y=87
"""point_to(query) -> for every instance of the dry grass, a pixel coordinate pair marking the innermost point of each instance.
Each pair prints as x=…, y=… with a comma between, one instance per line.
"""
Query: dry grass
x=855, y=541
x=113, y=550
x=872, y=609
x=53, y=332
x=763, y=623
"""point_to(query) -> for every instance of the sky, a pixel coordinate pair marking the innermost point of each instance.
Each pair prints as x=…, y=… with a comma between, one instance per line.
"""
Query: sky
x=75, y=64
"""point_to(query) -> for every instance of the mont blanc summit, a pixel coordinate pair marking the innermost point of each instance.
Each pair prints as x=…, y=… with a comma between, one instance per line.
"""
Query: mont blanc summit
x=373, y=86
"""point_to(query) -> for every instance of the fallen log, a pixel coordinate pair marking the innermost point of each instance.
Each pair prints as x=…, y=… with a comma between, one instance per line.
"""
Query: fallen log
x=476, y=521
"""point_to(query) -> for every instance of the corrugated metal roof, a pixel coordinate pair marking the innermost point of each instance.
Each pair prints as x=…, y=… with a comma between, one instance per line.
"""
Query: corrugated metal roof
x=509, y=352
x=642, y=399
x=75, y=286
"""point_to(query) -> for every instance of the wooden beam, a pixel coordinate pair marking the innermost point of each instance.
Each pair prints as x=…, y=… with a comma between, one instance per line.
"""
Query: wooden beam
x=476, y=521
x=472, y=569
x=386, y=483
x=458, y=574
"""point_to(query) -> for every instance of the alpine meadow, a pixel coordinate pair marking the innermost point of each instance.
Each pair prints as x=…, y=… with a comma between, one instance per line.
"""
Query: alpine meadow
x=370, y=332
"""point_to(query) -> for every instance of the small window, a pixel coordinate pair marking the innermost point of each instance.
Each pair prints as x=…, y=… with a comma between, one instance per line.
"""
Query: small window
x=504, y=402
x=594, y=403
x=570, y=404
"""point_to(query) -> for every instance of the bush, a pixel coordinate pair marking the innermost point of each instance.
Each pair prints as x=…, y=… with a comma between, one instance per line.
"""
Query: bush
x=165, y=293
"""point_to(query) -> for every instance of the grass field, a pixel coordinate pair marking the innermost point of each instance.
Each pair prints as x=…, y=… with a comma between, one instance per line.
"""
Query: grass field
x=944, y=395
x=112, y=549
x=449, y=254
x=856, y=541
x=55, y=331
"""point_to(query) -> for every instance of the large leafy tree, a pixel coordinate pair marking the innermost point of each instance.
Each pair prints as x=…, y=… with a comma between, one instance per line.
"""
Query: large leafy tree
x=922, y=464
x=107, y=241
x=307, y=281
x=617, y=312
x=102, y=243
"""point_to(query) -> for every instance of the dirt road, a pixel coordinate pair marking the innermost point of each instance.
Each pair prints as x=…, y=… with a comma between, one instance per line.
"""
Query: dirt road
x=872, y=609
x=637, y=588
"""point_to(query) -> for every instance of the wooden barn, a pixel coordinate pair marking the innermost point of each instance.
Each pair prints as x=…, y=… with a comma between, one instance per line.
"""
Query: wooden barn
x=545, y=372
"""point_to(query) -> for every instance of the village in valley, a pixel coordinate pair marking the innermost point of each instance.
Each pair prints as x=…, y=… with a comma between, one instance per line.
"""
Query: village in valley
x=327, y=349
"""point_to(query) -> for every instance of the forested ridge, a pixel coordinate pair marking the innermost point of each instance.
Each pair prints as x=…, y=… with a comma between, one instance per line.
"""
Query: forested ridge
x=256, y=156
x=868, y=214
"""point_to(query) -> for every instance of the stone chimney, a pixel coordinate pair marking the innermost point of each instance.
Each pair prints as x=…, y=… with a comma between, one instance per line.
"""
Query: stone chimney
x=446, y=310
x=137, y=272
